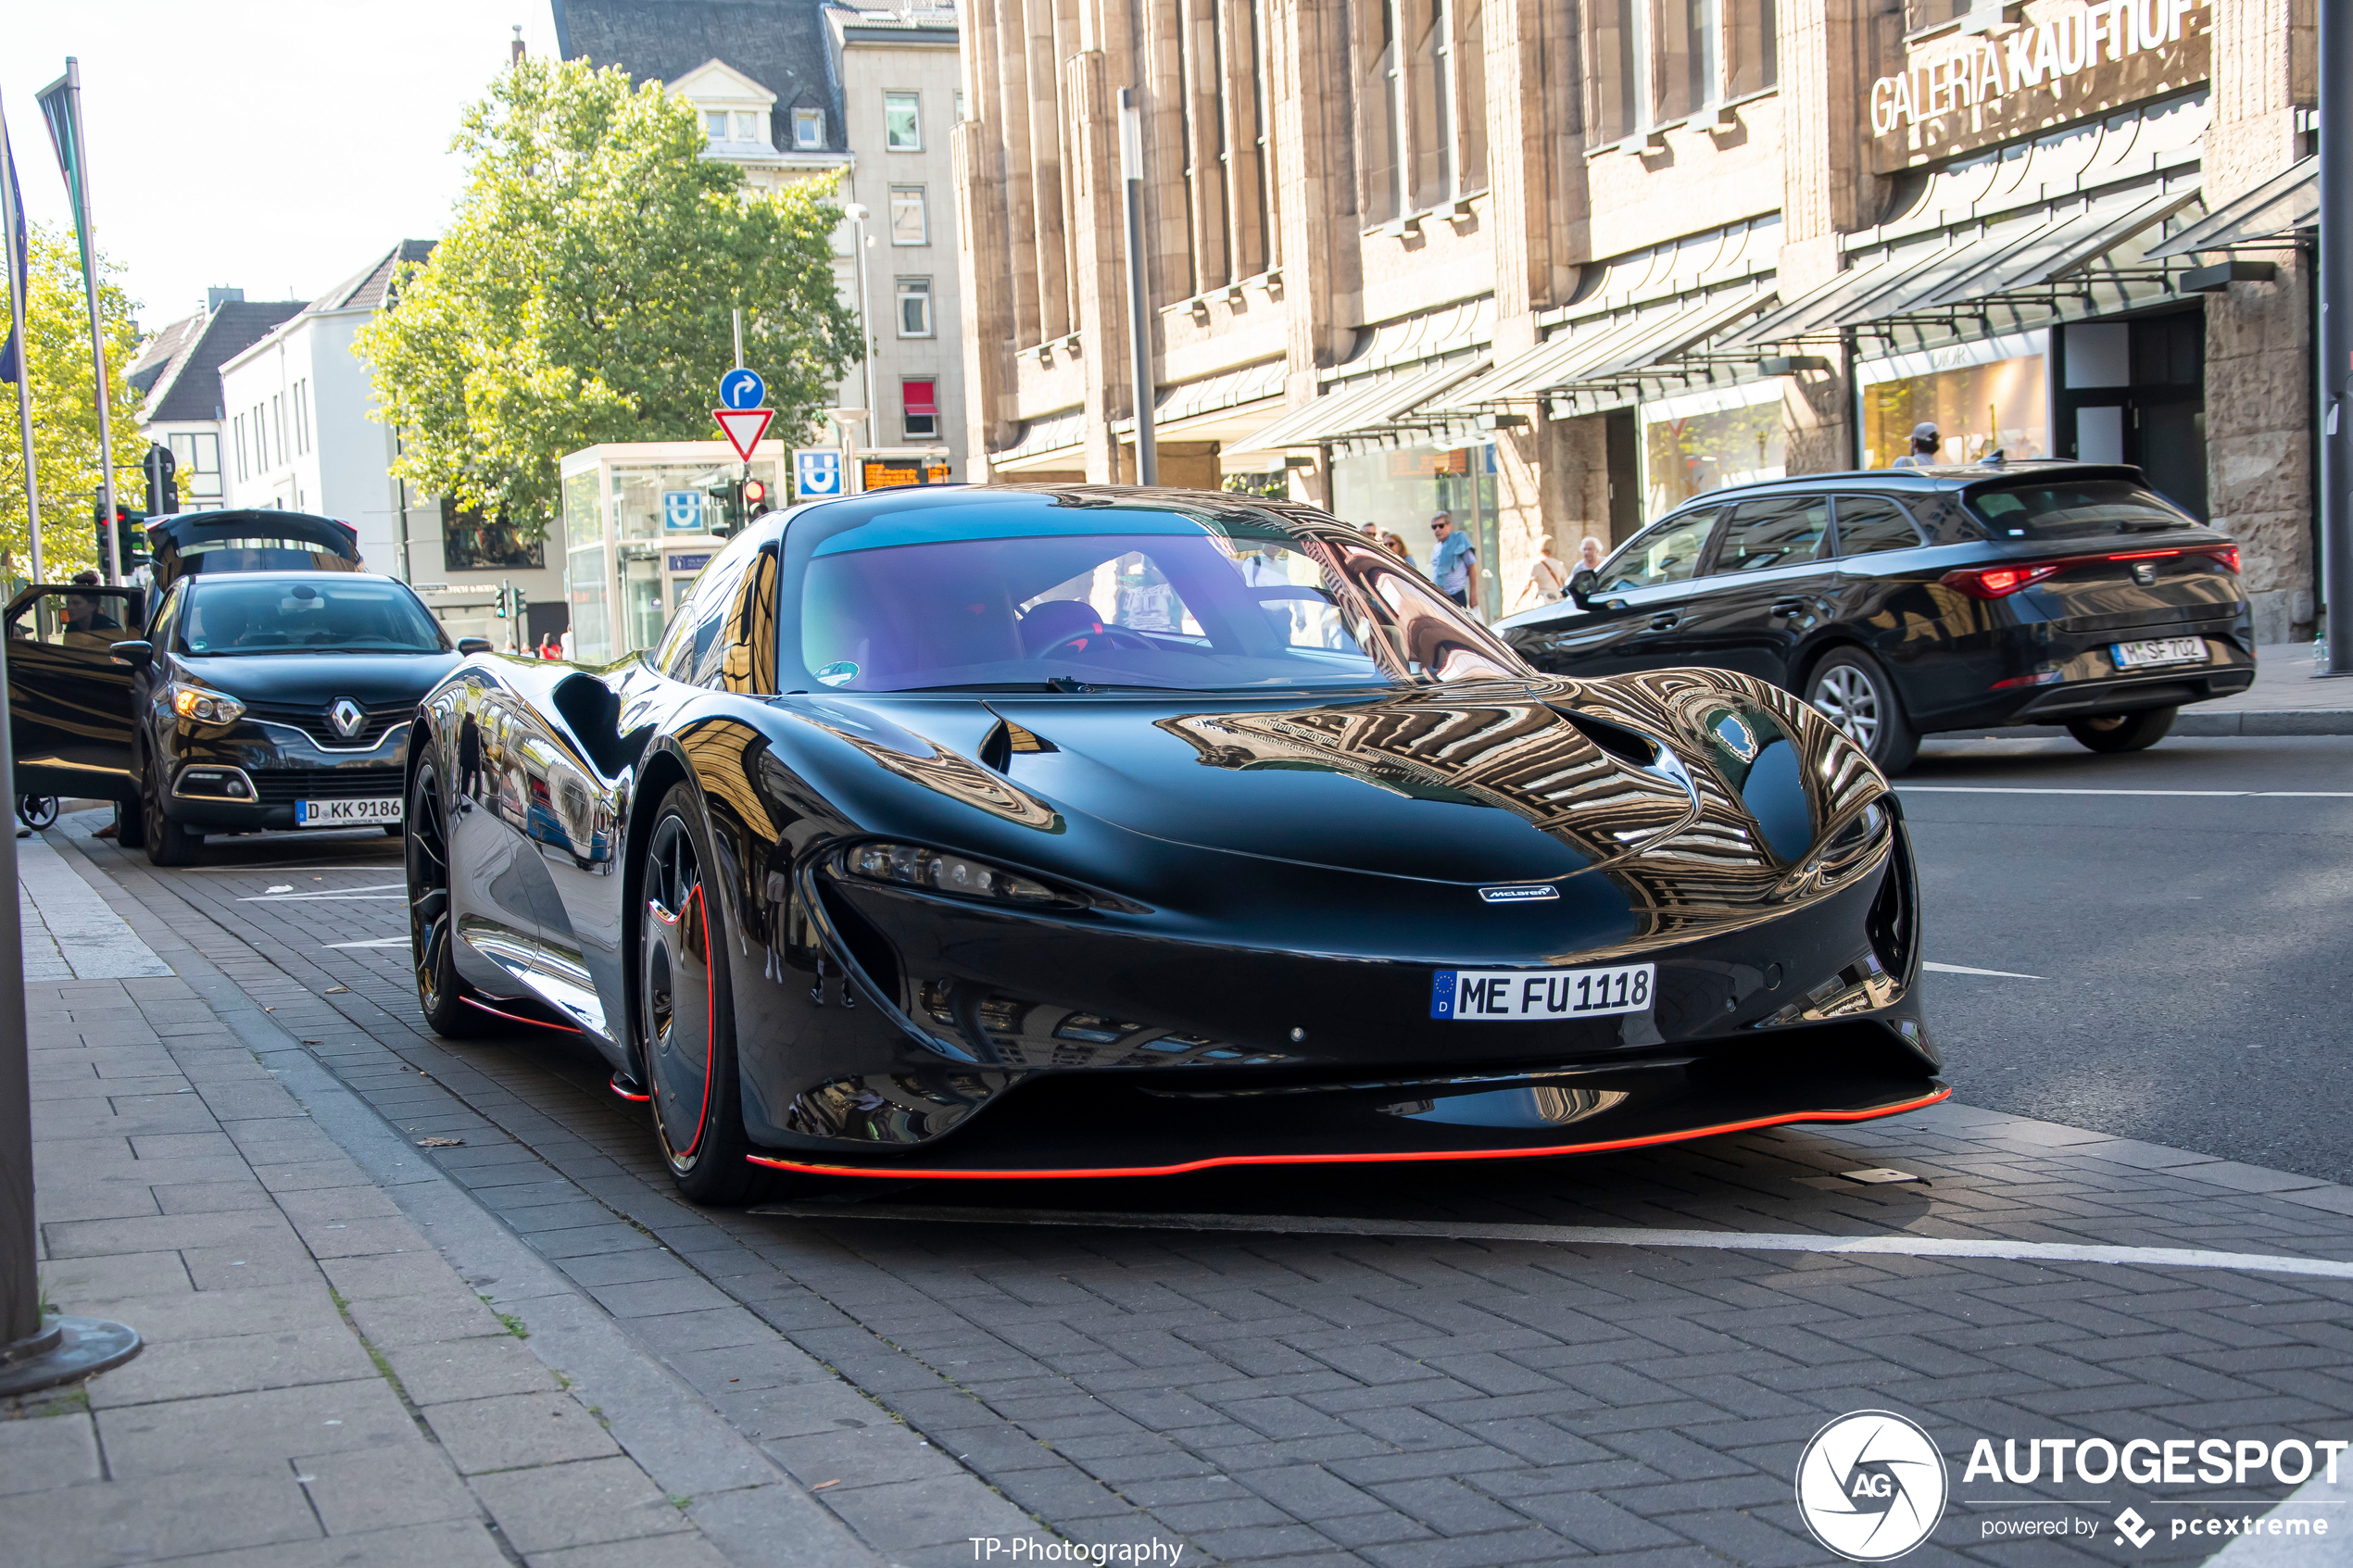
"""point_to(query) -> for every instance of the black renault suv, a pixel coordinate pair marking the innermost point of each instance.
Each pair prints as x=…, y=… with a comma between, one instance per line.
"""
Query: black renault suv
x=1905, y=601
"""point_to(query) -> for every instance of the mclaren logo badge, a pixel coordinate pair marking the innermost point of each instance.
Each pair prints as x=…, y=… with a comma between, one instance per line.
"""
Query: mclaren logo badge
x=1517, y=894
x=348, y=717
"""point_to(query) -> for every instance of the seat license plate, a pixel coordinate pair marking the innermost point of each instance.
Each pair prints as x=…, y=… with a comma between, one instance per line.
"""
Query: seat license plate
x=372, y=812
x=1470, y=995
x=2164, y=650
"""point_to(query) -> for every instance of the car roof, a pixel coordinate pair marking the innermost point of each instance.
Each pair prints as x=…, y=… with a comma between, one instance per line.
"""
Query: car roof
x=294, y=574
x=1941, y=478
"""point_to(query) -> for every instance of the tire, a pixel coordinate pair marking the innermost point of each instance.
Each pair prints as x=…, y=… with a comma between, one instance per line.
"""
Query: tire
x=441, y=995
x=685, y=1023
x=1853, y=691
x=130, y=823
x=2124, y=731
x=37, y=812
x=168, y=842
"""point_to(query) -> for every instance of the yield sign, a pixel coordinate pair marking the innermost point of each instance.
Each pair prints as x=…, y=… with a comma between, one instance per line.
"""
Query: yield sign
x=744, y=427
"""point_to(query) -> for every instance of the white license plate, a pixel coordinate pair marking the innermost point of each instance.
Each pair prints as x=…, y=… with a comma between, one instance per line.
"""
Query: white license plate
x=1473, y=994
x=347, y=813
x=2164, y=650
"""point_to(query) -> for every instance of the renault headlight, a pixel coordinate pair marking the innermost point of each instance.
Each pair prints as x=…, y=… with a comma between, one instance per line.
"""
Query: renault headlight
x=202, y=705
x=938, y=871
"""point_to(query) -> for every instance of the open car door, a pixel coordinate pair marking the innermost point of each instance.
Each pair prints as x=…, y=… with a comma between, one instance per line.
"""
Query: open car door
x=70, y=699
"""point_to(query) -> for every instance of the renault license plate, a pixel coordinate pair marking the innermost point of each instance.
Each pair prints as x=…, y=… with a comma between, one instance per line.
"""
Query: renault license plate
x=372, y=812
x=1503, y=993
x=2163, y=650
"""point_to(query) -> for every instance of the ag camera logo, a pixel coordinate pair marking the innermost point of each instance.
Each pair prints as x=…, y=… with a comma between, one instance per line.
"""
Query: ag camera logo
x=1872, y=1485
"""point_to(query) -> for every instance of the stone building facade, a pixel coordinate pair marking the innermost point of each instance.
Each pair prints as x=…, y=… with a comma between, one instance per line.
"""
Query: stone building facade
x=1555, y=265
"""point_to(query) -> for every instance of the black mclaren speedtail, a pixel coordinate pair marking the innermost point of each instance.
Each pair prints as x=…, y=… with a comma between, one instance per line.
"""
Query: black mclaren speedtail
x=1004, y=832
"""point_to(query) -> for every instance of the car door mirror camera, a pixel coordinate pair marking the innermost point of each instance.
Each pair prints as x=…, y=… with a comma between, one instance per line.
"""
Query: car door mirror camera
x=1581, y=584
x=474, y=645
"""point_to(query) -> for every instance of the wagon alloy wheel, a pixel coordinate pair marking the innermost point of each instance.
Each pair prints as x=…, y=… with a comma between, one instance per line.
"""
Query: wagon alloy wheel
x=1852, y=690
x=440, y=993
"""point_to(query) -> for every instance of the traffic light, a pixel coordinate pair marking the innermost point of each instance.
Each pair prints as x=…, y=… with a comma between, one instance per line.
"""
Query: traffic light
x=129, y=533
x=755, y=498
x=163, y=489
x=523, y=607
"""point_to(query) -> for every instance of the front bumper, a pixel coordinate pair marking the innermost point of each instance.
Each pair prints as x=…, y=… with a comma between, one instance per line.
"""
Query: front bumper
x=1156, y=1056
x=245, y=784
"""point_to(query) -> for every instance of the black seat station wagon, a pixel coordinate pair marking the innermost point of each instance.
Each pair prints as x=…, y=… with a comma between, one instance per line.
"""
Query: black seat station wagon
x=1901, y=602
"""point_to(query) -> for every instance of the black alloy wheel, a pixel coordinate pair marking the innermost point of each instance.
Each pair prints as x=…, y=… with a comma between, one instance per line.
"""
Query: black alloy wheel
x=2124, y=731
x=168, y=842
x=441, y=994
x=1854, y=691
x=687, y=1025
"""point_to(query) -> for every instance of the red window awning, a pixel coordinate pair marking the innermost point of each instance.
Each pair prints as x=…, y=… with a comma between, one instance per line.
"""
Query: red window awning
x=920, y=396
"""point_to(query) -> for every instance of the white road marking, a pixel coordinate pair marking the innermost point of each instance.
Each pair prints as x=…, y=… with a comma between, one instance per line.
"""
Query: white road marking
x=1964, y=969
x=372, y=890
x=2196, y=793
x=1897, y=1245
x=378, y=942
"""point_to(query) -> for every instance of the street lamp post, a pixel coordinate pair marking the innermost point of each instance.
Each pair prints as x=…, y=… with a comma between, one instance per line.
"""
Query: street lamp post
x=2336, y=332
x=856, y=213
x=1139, y=341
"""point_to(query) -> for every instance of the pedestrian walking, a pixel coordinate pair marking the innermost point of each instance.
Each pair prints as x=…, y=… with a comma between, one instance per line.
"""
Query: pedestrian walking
x=1548, y=579
x=1925, y=441
x=1589, y=553
x=1454, y=565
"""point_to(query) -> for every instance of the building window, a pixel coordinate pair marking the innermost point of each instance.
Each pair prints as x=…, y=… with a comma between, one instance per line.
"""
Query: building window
x=902, y=127
x=1615, y=51
x=1686, y=58
x=1752, y=39
x=750, y=126
x=920, y=396
x=471, y=544
x=808, y=128
x=960, y=105
x=197, y=458
x=908, y=226
x=914, y=308
x=1378, y=93
x=714, y=124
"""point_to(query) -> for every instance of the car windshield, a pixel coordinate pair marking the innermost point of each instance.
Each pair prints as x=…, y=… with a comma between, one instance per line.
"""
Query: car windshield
x=1023, y=598
x=2079, y=509
x=324, y=613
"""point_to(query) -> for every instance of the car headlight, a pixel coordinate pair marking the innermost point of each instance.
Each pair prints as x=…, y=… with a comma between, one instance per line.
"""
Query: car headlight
x=938, y=871
x=204, y=705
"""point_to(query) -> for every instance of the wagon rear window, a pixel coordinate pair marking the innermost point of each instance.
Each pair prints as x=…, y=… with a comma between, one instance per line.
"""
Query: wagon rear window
x=2087, y=508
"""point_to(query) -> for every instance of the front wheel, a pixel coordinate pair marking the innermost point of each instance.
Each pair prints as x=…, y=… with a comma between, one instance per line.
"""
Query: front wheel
x=440, y=994
x=686, y=1017
x=2124, y=731
x=168, y=842
x=1854, y=691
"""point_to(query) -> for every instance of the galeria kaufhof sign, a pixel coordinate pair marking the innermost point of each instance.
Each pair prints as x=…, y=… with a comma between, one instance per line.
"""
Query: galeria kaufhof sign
x=2065, y=62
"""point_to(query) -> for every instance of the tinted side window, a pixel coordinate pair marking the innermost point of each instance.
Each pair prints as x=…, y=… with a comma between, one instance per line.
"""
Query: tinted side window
x=1772, y=531
x=1868, y=524
x=1666, y=552
x=747, y=662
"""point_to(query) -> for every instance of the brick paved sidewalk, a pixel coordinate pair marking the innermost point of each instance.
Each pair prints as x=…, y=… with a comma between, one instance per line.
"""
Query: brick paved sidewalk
x=1314, y=1399
x=318, y=1384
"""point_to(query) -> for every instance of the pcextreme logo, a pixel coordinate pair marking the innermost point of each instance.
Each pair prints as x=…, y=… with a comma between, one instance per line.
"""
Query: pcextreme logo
x=1872, y=1485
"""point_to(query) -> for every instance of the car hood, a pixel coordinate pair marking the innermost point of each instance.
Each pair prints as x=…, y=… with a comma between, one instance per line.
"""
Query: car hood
x=1494, y=785
x=372, y=678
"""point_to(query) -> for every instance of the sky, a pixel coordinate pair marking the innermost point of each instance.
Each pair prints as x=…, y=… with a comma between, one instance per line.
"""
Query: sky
x=274, y=145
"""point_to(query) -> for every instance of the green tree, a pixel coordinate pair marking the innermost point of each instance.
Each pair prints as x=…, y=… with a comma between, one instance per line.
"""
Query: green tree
x=584, y=291
x=65, y=414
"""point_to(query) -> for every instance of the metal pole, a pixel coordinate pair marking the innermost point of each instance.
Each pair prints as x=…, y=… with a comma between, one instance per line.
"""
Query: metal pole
x=20, y=267
x=2336, y=332
x=97, y=330
x=1139, y=341
x=36, y=1350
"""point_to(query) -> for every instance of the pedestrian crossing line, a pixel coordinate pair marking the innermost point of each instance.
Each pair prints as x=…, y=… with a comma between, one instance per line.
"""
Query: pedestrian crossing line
x=1895, y=1246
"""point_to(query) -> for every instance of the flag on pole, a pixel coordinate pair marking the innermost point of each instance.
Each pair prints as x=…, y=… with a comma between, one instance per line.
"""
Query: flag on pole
x=12, y=352
x=56, y=107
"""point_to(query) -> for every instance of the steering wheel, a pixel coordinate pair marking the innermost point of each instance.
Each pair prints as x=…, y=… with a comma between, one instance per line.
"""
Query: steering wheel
x=1112, y=637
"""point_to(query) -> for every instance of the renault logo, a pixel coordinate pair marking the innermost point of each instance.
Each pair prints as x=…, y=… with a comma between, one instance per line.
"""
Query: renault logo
x=348, y=717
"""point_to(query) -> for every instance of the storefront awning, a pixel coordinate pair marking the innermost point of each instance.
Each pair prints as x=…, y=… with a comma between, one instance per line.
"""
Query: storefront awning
x=1048, y=443
x=1374, y=408
x=1608, y=348
x=2036, y=250
x=2289, y=202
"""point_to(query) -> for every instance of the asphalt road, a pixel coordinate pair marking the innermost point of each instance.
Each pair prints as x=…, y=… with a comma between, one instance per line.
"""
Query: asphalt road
x=2189, y=943
x=2182, y=912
